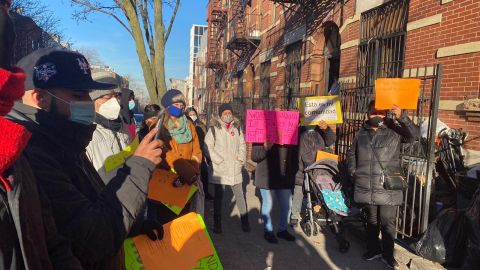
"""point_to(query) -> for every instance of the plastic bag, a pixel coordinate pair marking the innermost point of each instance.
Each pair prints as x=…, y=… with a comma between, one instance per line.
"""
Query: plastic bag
x=445, y=239
x=472, y=256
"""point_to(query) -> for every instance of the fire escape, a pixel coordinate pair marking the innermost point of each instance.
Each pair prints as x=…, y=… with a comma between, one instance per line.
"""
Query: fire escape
x=244, y=36
x=217, y=20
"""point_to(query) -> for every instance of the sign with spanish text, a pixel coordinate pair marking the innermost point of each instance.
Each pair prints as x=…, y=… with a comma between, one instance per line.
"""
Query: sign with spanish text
x=186, y=245
x=320, y=108
x=278, y=127
x=403, y=93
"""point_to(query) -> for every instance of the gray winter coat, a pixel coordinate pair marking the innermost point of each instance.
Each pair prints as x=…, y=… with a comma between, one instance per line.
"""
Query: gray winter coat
x=364, y=166
x=94, y=217
x=310, y=142
x=227, y=151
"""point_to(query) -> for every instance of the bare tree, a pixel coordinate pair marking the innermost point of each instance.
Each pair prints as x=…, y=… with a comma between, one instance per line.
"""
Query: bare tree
x=92, y=55
x=144, y=21
x=40, y=14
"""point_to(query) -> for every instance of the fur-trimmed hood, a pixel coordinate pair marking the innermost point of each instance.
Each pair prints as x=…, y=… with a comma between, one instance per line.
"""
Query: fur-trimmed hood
x=217, y=122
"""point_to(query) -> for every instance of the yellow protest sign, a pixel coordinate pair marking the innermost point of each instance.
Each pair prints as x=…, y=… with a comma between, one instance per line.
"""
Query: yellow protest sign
x=320, y=108
x=113, y=162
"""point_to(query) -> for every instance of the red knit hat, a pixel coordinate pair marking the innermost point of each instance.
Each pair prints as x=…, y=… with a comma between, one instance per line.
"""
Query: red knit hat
x=11, y=88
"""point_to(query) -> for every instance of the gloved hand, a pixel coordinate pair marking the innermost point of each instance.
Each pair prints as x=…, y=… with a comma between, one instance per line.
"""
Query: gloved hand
x=153, y=229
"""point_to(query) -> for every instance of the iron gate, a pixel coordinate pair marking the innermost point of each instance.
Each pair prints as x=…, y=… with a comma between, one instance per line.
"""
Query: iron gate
x=381, y=54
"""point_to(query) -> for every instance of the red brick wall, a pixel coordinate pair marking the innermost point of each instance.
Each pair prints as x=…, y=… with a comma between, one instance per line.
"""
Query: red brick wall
x=461, y=73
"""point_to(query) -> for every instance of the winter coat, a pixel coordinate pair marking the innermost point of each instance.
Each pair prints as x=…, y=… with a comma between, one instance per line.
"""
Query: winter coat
x=277, y=167
x=364, y=166
x=227, y=151
x=29, y=236
x=184, y=159
x=105, y=143
x=96, y=218
x=310, y=142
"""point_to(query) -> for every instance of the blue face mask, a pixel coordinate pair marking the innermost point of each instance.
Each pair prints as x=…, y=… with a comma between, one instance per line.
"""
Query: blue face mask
x=131, y=105
x=82, y=112
x=174, y=111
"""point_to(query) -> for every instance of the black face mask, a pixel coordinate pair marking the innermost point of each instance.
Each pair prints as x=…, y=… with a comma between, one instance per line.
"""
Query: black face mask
x=375, y=121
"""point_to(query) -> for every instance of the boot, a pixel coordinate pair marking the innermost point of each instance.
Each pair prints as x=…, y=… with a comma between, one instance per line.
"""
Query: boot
x=217, y=224
x=245, y=223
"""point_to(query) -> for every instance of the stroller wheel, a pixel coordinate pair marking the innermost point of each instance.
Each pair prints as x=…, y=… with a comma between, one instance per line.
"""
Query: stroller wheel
x=344, y=246
x=307, y=228
x=316, y=229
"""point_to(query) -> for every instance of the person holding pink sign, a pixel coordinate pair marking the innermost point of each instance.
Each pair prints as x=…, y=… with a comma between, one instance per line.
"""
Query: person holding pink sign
x=275, y=174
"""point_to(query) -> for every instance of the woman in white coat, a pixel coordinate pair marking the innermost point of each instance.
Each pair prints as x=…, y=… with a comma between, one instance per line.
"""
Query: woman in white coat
x=225, y=145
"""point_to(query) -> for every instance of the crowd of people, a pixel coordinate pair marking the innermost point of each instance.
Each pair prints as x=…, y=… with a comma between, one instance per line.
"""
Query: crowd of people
x=63, y=206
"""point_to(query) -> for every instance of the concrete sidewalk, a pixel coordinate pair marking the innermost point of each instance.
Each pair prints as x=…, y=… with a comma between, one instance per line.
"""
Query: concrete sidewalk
x=245, y=251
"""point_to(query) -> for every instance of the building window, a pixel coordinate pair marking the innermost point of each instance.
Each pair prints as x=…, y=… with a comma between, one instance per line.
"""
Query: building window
x=264, y=99
x=381, y=52
x=293, y=71
x=331, y=52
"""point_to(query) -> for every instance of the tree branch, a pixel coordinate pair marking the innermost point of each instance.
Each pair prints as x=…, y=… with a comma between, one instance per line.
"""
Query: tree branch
x=177, y=4
x=92, y=7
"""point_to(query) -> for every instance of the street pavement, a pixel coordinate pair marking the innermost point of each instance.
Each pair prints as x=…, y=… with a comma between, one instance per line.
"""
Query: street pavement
x=245, y=251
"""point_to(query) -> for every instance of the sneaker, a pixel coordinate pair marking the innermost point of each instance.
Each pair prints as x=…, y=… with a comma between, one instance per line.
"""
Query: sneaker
x=286, y=235
x=372, y=255
x=270, y=237
x=391, y=263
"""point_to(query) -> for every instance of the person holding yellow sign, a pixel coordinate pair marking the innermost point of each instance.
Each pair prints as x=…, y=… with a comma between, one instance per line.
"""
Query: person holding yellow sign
x=313, y=139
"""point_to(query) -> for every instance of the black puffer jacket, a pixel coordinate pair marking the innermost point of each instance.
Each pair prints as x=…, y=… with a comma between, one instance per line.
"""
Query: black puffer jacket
x=312, y=141
x=364, y=166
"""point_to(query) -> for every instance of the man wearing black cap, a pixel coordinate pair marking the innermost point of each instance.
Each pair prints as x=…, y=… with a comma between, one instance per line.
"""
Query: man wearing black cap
x=96, y=218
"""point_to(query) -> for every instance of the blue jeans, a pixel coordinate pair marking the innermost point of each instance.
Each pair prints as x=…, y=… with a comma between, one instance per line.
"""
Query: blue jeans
x=284, y=196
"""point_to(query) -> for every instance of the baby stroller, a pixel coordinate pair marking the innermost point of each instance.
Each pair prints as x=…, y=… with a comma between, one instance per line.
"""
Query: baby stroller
x=322, y=179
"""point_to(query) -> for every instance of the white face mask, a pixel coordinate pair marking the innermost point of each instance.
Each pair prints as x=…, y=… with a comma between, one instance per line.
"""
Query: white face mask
x=110, y=109
x=194, y=118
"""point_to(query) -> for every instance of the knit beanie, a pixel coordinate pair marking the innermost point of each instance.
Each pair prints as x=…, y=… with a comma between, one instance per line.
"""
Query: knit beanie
x=173, y=96
x=224, y=107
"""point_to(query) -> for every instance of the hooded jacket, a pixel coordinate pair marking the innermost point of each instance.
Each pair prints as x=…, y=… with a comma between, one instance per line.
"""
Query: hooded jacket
x=96, y=218
x=227, y=151
x=310, y=142
x=106, y=142
x=364, y=166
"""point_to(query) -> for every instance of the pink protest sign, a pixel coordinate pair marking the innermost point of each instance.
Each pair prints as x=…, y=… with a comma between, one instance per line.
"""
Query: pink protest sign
x=279, y=127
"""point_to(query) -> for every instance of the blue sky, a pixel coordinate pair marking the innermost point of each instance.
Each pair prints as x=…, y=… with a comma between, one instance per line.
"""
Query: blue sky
x=116, y=47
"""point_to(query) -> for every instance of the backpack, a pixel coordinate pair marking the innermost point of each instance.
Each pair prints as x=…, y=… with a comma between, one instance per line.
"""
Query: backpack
x=214, y=136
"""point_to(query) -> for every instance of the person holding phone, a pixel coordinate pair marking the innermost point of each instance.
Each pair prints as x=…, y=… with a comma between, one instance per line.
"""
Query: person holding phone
x=182, y=156
x=59, y=113
x=275, y=175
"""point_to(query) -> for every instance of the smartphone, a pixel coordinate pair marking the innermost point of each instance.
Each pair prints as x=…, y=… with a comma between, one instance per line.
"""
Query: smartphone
x=159, y=125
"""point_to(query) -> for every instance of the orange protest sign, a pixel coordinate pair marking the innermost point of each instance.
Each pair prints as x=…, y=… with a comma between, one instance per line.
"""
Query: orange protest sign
x=401, y=92
x=322, y=154
x=161, y=189
x=184, y=244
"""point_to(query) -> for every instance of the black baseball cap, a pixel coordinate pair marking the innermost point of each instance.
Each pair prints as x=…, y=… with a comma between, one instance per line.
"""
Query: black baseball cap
x=66, y=69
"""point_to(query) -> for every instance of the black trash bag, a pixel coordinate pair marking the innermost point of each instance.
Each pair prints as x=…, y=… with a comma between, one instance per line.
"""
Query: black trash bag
x=472, y=256
x=445, y=239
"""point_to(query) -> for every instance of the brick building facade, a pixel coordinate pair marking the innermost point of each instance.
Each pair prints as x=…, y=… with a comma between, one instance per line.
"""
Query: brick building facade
x=265, y=54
